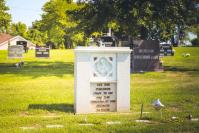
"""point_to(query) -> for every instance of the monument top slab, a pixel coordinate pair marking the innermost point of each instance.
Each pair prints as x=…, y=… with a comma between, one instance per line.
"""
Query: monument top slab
x=103, y=49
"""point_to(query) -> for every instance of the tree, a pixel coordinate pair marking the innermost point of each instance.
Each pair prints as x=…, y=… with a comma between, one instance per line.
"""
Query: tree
x=19, y=29
x=35, y=35
x=138, y=18
x=5, y=17
x=194, y=20
x=58, y=24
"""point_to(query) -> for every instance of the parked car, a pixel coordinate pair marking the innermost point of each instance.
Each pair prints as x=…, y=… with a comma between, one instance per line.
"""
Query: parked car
x=108, y=41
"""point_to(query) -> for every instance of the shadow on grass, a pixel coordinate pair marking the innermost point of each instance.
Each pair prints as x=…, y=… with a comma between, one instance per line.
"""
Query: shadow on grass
x=53, y=107
x=38, y=68
x=174, y=69
x=179, y=68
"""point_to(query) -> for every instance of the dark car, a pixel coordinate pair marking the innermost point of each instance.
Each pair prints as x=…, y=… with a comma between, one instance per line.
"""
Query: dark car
x=108, y=41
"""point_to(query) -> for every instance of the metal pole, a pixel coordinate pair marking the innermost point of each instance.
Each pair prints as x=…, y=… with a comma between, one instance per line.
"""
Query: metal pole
x=161, y=113
x=141, y=110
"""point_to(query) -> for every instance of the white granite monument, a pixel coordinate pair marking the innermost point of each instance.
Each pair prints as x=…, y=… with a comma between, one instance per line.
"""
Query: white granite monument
x=102, y=79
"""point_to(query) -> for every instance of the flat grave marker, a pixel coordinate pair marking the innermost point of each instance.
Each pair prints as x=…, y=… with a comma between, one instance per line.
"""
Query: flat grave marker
x=55, y=126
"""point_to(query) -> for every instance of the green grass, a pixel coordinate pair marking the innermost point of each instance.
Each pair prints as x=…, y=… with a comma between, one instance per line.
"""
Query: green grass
x=42, y=93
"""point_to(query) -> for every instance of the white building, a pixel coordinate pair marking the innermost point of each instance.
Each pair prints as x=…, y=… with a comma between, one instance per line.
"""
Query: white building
x=6, y=39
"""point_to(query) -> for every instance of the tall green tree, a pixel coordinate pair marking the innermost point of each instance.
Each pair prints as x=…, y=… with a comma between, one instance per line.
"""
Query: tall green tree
x=58, y=24
x=5, y=17
x=19, y=29
x=35, y=34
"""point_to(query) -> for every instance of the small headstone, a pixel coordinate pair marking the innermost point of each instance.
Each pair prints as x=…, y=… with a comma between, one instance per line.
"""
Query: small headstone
x=166, y=50
x=15, y=51
x=145, y=56
x=42, y=52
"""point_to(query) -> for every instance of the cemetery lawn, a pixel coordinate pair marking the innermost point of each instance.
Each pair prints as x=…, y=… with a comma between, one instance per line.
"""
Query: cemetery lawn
x=41, y=94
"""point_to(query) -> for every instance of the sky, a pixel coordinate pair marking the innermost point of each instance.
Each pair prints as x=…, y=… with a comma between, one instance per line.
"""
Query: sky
x=26, y=11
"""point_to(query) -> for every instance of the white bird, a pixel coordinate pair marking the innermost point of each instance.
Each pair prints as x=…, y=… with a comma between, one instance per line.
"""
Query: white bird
x=157, y=104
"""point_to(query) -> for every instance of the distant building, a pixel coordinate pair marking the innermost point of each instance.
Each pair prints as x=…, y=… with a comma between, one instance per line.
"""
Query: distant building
x=6, y=39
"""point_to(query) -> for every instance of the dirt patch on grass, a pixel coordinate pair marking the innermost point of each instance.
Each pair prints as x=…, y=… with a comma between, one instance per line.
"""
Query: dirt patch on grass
x=36, y=126
x=174, y=109
x=51, y=115
x=24, y=114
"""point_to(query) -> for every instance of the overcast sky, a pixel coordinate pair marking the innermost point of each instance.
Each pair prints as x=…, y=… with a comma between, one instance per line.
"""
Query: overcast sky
x=26, y=11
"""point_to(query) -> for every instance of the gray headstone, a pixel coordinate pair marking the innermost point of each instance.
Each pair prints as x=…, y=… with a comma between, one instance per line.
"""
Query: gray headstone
x=42, y=52
x=15, y=51
x=145, y=56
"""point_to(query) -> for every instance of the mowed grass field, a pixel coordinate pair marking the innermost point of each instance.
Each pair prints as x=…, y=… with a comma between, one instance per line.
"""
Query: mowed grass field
x=41, y=94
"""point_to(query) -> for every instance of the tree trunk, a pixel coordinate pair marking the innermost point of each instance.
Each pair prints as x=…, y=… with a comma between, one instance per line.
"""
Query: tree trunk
x=143, y=33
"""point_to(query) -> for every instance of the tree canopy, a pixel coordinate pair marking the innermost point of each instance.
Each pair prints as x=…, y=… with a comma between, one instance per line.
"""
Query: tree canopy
x=66, y=24
x=5, y=17
x=152, y=19
x=19, y=29
x=57, y=24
